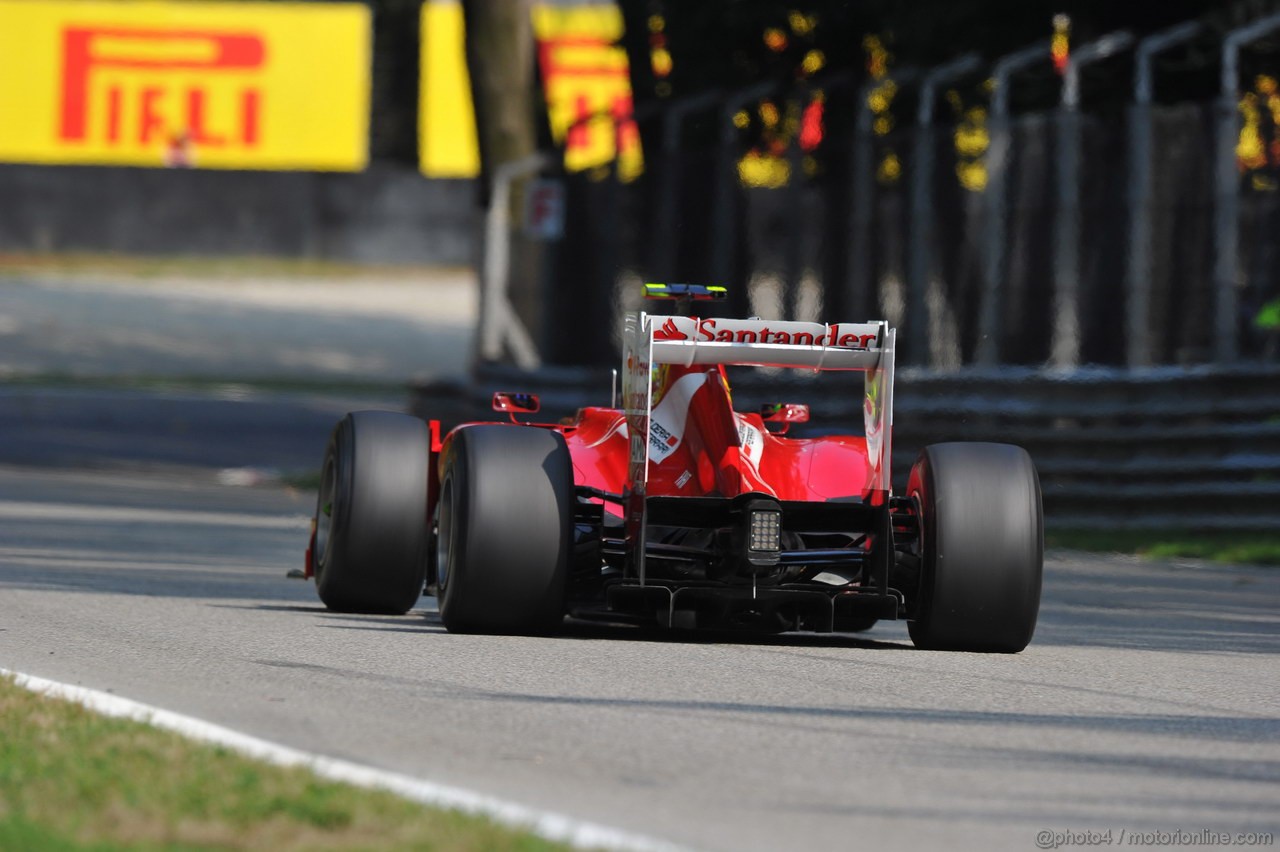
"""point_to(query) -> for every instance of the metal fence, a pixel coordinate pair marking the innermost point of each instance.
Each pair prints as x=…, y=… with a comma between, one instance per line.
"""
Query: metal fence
x=1124, y=235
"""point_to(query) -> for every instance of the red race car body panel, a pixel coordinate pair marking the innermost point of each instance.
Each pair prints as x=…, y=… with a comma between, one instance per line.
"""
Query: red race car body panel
x=712, y=451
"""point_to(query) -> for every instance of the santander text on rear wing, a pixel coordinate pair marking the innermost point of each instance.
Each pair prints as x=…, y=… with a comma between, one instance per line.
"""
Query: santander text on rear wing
x=865, y=346
x=838, y=346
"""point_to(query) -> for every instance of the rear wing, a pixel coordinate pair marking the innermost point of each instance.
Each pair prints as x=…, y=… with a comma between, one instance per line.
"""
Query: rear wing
x=866, y=346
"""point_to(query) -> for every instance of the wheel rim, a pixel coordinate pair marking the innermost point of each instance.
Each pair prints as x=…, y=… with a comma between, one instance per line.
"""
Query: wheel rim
x=324, y=511
x=920, y=551
x=444, y=535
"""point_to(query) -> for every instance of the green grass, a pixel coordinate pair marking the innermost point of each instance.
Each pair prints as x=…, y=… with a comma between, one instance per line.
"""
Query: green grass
x=1256, y=548
x=71, y=779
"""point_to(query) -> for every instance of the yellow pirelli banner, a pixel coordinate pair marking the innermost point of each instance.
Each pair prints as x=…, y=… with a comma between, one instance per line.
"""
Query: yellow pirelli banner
x=584, y=77
x=222, y=85
x=447, y=146
x=587, y=85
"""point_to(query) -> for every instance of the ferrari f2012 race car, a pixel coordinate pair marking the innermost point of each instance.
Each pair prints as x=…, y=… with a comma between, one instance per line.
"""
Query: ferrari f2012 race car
x=676, y=510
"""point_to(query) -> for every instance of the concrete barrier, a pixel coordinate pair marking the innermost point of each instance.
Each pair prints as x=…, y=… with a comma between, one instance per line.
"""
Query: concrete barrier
x=386, y=214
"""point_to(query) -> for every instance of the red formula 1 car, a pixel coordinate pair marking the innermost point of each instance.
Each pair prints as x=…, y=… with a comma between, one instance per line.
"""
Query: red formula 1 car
x=676, y=510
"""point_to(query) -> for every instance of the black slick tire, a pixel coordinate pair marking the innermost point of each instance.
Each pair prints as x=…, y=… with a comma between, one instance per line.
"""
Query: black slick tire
x=982, y=547
x=371, y=517
x=504, y=525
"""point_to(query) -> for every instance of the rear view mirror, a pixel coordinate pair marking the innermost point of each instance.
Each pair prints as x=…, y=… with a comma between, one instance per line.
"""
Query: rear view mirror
x=784, y=412
x=516, y=403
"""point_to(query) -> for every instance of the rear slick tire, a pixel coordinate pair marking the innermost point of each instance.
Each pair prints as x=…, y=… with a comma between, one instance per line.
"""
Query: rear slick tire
x=371, y=515
x=982, y=547
x=504, y=530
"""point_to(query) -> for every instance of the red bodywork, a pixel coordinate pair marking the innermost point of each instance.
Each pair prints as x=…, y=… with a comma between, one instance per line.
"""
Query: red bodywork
x=711, y=450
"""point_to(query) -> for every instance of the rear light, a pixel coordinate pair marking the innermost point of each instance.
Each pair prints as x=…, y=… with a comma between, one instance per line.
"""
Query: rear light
x=765, y=535
x=760, y=533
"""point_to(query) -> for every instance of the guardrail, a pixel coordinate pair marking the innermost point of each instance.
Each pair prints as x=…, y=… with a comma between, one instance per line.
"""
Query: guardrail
x=1195, y=448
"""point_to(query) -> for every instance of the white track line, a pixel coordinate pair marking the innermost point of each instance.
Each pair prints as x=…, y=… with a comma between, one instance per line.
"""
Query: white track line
x=546, y=824
x=15, y=510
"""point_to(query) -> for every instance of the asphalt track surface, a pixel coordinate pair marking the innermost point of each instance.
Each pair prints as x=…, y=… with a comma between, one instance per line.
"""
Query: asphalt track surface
x=384, y=328
x=1148, y=701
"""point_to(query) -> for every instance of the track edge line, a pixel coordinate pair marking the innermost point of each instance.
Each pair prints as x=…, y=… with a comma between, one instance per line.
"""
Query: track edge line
x=546, y=824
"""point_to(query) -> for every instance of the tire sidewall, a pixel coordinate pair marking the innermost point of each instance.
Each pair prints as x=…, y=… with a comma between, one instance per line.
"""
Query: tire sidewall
x=512, y=581
x=981, y=572
x=453, y=487
x=338, y=459
x=373, y=558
